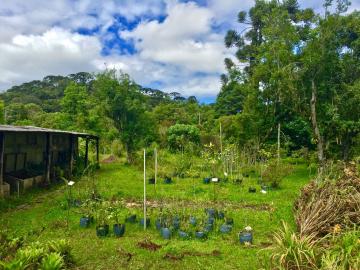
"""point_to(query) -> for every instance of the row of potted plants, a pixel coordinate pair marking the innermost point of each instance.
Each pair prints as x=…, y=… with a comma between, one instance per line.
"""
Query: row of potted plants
x=167, y=223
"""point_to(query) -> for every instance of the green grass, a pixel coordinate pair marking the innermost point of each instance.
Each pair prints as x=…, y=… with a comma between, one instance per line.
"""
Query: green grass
x=43, y=218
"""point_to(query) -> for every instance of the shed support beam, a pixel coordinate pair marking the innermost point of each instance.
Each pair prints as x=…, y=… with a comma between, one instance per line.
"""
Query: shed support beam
x=48, y=157
x=2, y=147
x=86, y=152
x=71, y=153
x=97, y=150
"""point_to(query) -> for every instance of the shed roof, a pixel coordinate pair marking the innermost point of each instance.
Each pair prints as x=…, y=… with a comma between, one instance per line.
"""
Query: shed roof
x=8, y=128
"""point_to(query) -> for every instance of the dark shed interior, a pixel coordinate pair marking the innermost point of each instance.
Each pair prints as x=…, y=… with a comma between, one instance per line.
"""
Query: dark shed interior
x=29, y=155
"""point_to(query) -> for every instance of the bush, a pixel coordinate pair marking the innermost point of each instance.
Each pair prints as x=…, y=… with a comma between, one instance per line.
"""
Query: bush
x=52, y=255
x=275, y=172
x=179, y=136
x=293, y=252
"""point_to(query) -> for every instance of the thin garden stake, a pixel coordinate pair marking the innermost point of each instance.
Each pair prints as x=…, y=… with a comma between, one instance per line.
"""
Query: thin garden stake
x=155, y=154
x=144, y=189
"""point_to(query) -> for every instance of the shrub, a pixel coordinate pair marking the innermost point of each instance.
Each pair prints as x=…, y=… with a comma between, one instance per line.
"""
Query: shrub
x=180, y=135
x=275, y=172
x=293, y=252
x=52, y=261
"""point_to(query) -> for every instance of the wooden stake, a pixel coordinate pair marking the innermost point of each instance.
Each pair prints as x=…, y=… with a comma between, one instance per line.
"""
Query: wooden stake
x=278, y=142
x=2, y=147
x=144, y=189
x=156, y=164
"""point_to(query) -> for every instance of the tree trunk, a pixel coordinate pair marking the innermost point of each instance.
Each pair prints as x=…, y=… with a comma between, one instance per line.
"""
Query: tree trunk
x=315, y=125
x=278, y=143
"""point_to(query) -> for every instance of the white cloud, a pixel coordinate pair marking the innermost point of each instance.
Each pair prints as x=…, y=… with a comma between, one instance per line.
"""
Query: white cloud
x=56, y=51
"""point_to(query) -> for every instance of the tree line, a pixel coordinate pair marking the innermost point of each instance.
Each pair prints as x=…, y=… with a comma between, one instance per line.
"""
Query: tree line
x=294, y=77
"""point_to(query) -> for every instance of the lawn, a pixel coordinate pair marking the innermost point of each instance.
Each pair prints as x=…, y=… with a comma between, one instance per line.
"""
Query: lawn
x=42, y=216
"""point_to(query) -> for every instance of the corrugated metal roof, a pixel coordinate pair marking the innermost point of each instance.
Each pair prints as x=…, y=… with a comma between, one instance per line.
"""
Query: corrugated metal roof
x=9, y=128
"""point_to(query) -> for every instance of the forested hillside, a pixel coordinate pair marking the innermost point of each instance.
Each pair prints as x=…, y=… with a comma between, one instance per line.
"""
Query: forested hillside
x=295, y=76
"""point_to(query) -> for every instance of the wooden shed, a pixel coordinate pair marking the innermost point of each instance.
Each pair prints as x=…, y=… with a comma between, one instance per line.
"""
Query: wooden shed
x=29, y=155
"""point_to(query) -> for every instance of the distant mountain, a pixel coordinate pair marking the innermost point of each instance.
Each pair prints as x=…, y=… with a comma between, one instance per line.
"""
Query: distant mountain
x=48, y=92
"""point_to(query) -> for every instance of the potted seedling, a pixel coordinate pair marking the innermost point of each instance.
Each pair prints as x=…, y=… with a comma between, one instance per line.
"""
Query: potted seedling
x=225, y=228
x=192, y=221
x=252, y=190
x=183, y=233
x=142, y=222
x=102, y=229
x=86, y=218
x=130, y=217
x=176, y=222
x=200, y=233
x=118, y=228
x=167, y=180
x=246, y=235
x=165, y=230
x=221, y=215
x=152, y=181
x=207, y=180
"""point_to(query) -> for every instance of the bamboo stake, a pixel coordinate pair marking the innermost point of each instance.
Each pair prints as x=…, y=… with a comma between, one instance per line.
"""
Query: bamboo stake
x=144, y=189
x=156, y=164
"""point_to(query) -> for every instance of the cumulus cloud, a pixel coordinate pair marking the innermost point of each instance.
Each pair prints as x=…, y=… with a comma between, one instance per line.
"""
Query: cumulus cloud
x=56, y=51
x=179, y=44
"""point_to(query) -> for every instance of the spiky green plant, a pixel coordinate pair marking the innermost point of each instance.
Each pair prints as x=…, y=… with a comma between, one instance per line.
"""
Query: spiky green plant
x=293, y=252
x=52, y=261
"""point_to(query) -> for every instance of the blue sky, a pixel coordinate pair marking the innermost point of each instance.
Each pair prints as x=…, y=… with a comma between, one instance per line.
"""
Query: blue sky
x=171, y=45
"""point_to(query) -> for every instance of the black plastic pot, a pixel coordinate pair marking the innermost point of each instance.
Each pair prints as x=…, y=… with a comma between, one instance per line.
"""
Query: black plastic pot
x=211, y=212
x=167, y=180
x=207, y=180
x=119, y=230
x=85, y=222
x=165, y=233
x=152, y=181
x=229, y=221
x=208, y=227
x=193, y=221
x=221, y=215
x=102, y=230
x=147, y=222
x=210, y=220
x=245, y=237
x=183, y=235
x=252, y=190
x=237, y=181
x=225, y=228
x=246, y=175
x=159, y=223
x=200, y=235
x=176, y=223
x=131, y=219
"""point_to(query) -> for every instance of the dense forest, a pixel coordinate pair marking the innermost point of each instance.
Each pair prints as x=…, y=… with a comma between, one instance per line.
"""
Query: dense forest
x=294, y=80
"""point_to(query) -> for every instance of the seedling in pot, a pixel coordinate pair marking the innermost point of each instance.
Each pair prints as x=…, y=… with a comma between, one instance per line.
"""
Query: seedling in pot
x=246, y=236
x=115, y=214
x=225, y=228
x=252, y=190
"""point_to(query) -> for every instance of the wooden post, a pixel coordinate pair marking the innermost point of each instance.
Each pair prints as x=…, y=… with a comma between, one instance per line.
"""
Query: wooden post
x=2, y=147
x=278, y=150
x=144, y=189
x=86, y=152
x=97, y=150
x=156, y=164
x=71, y=152
x=48, y=157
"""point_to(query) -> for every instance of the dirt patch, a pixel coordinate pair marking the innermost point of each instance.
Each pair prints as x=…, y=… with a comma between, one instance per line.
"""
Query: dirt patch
x=110, y=159
x=124, y=253
x=177, y=257
x=191, y=204
x=147, y=244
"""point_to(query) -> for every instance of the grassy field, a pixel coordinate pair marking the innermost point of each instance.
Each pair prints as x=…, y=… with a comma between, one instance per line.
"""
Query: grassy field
x=42, y=216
